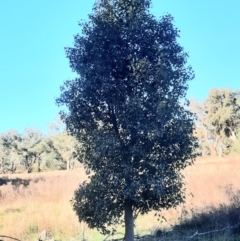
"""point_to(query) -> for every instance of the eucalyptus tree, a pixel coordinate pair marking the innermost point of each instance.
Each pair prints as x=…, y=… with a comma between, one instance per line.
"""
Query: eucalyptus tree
x=65, y=145
x=127, y=108
x=218, y=120
x=235, y=148
x=8, y=152
x=34, y=148
x=28, y=147
x=223, y=113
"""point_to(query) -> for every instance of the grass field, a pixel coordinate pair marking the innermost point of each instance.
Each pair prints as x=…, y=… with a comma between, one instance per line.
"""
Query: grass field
x=30, y=203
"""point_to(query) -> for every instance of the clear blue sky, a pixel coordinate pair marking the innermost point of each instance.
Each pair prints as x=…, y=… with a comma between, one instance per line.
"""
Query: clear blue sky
x=33, y=63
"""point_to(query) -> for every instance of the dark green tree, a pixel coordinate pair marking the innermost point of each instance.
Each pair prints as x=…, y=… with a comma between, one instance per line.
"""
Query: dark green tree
x=127, y=108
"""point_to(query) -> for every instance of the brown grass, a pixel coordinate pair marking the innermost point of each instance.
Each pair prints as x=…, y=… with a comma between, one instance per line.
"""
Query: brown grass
x=45, y=202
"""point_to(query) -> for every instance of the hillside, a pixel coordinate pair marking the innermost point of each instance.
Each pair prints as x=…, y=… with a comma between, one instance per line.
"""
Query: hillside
x=30, y=203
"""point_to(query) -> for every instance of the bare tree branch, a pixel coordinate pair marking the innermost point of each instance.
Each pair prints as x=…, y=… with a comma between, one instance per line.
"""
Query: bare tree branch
x=5, y=236
x=212, y=231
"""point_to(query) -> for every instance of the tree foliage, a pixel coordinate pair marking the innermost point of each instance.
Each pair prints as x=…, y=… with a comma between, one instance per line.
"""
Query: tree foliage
x=127, y=108
x=218, y=120
x=235, y=148
x=64, y=144
x=66, y=147
x=31, y=150
x=30, y=147
x=8, y=153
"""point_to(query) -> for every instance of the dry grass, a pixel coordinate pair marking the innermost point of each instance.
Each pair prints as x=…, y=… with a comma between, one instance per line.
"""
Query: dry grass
x=206, y=181
x=45, y=202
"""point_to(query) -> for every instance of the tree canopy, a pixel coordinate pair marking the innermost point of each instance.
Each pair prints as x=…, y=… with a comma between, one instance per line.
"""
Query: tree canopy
x=127, y=108
x=32, y=151
x=218, y=120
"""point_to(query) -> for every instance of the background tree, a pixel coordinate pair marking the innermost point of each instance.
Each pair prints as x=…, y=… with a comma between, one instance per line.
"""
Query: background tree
x=235, y=148
x=218, y=120
x=64, y=144
x=126, y=109
x=9, y=155
x=28, y=147
x=32, y=151
x=34, y=148
x=223, y=114
x=46, y=150
x=207, y=144
x=66, y=147
x=25, y=150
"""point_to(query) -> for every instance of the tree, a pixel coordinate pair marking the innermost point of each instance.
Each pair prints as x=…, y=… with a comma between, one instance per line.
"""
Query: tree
x=30, y=148
x=8, y=154
x=127, y=108
x=9, y=142
x=223, y=115
x=65, y=145
x=235, y=148
x=26, y=149
x=218, y=120
x=207, y=143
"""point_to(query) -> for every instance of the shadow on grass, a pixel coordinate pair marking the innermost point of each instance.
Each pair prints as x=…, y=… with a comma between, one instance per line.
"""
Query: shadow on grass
x=220, y=223
x=212, y=223
x=17, y=182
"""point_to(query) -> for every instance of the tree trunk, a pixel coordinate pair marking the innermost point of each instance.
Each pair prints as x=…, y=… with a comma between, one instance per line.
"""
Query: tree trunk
x=68, y=164
x=39, y=166
x=233, y=136
x=210, y=145
x=129, y=231
x=72, y=163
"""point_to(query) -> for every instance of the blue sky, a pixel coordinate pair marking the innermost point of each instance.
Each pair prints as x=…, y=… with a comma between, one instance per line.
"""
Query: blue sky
x=33, y=63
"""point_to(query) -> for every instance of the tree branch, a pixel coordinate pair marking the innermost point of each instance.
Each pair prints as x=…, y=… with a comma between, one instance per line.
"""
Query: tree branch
x=114, y=239
x=5, y=236
x=213, y=231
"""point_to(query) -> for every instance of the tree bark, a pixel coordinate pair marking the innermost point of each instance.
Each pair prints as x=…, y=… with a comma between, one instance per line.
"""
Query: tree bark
x=129, y=222
x=39, y=166
x=210, y=145
x=233, y=136
x=68, y=164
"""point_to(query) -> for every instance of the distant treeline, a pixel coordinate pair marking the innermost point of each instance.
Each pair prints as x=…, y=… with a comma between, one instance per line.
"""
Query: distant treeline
x=217, y=129
x=32, y=151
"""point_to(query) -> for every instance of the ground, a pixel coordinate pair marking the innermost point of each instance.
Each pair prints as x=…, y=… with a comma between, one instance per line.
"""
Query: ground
x=31, y=203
